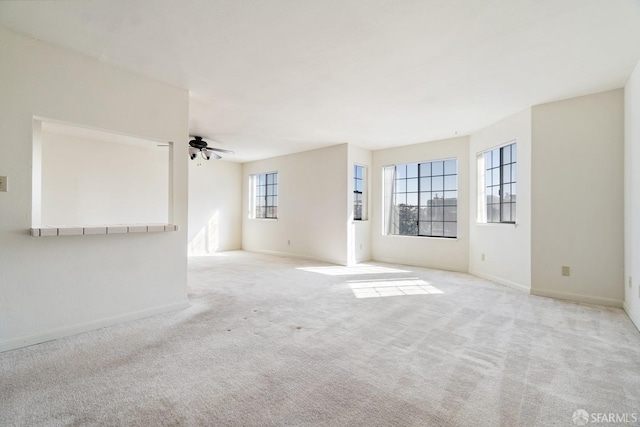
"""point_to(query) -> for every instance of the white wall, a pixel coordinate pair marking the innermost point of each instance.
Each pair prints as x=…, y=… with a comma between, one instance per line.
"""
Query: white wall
x=312, y=206
x=506, y=247
x=359, y=232
x=215, y=206
x=632, y=196
x=61, y=285
x=93, y=182
x=577, y=198
x=447, y=254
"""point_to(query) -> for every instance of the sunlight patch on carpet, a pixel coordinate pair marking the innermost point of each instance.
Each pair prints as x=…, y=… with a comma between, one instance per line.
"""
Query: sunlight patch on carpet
x=354, y=270
x=391, y=287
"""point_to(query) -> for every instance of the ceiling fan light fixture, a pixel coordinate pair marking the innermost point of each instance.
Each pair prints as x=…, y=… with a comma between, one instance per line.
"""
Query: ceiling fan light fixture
x=197, y=145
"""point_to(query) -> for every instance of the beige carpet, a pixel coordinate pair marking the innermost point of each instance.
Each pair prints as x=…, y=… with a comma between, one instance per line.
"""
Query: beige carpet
x=272, y=341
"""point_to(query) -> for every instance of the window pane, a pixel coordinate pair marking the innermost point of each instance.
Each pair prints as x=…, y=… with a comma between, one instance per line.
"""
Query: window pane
x=358, y=172
x=437, y=183
x=401, y=185
x=358, y=185
x=506, y=173
x=425, y=215
x=438, y=213
x=357, y=212
x=450, y=167
x=424, y=198
x=437, y=229
x=450, y=229
x=450, y=182
x=401, y=199
x=412, y=184
x=412, y=170
x=495, y=176
x=425, y=169
x=514, y=167
x=437, y=198
x=412, y=199
x=425, y=184
x=261, y=179
x=495, y=157
x=495, y=194
x=506, y=154
x=487, y=160
x=437, y=168
x=401, y=171
x=506, y=212
x=514, y=156
x=513, y=212
x=450, y=197
x=450, y=213
x=513, y=191
x=425, y=228
x=506, y=193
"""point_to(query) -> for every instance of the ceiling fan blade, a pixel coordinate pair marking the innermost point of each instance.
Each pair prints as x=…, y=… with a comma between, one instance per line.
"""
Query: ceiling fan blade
x=207, y=153
x=220, y=150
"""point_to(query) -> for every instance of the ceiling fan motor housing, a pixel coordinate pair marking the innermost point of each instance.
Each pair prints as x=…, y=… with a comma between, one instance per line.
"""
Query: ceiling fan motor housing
x=198, y=143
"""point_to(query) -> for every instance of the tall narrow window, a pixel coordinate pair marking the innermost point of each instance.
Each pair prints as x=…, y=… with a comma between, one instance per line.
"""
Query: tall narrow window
x=265, y=195
x=499, y=166
x=359, y=193
x=422, y=199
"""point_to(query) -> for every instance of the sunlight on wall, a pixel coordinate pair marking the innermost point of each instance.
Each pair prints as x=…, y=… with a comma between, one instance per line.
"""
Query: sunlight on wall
x=352, y=270
x=207, y=240
x=391, y=287
x=213, y=234
x=197, y=244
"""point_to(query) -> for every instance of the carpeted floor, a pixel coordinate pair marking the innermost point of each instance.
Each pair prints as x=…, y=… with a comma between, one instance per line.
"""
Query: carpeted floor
x=272, y=341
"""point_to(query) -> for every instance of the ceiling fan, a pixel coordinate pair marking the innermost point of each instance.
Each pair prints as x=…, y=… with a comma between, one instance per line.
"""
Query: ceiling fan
x=199, y=145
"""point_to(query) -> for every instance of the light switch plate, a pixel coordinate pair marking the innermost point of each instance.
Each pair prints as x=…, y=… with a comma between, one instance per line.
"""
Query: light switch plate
x=3, y=184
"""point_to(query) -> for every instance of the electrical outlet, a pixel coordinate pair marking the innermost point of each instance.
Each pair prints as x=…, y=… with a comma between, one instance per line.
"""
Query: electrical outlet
x=289, y=242
x=481, y=257
x=566, y=271
x=3, y=184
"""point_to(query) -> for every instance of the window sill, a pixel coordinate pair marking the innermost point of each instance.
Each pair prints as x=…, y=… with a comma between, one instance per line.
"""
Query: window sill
x=104, y=229
x=440, y=238
x=497, y=224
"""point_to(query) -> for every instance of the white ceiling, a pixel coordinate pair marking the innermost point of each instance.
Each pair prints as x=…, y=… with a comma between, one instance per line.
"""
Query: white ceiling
x=270, y=77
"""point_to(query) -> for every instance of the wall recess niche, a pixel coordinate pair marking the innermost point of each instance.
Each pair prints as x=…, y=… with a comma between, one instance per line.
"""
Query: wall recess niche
x=90, y=181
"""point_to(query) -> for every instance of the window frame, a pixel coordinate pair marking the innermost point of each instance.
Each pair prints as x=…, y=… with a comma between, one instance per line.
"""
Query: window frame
x=264, y=206
x=360, y=195
x=506, y=156
x=419, y=190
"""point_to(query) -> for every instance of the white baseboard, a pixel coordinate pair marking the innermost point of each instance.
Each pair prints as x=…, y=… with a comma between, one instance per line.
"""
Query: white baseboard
x=298, y=256
x=587, y=299
x=401, y=261
x=85, y=327
x=501, y=281
x=635, y=318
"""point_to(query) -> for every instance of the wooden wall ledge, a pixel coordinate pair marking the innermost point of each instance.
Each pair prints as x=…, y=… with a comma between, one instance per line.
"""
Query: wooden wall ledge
x=104, y=229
